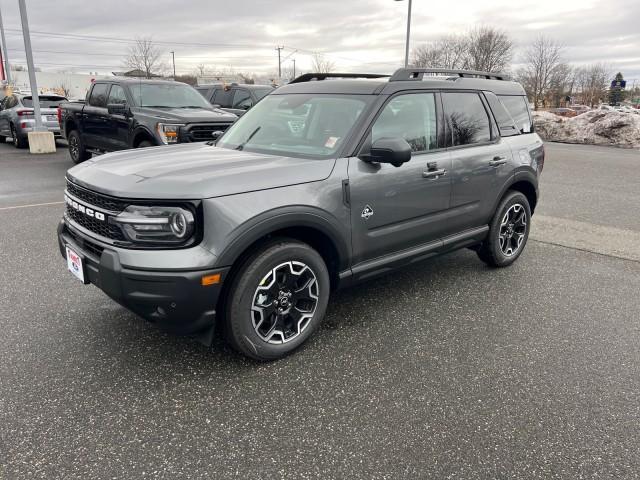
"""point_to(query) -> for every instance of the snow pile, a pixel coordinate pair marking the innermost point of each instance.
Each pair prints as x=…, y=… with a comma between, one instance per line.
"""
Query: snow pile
x=596, y=127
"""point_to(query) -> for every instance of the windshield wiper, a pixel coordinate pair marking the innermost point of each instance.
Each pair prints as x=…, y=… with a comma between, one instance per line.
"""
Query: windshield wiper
x=241, y=146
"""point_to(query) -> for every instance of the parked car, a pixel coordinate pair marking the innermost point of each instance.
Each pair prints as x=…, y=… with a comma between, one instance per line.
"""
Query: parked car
x=130, y=113
x=255, y=231
x=234, y=98
x=564, y=112
x=17, y=118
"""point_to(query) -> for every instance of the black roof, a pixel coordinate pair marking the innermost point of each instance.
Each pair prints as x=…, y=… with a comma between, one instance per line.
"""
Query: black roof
x=403, y=79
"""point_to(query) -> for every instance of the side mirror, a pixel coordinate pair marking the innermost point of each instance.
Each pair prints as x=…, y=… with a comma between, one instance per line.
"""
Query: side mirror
x=117, y=109
x=393, y=150
x=216, y=135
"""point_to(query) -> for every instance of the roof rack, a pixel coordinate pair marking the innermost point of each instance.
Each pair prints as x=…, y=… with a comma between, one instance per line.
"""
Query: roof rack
x=308, y=77
x=403, y=74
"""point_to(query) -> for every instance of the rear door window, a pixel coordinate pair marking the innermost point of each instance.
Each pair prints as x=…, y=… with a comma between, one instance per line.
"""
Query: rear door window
x=222, y=97
x=98, y=96
x=506, y=124
x=467, y=118
x=517, y=106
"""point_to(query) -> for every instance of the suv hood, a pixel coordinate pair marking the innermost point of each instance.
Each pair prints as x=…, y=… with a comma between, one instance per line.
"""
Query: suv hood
x=188, y=115
x=193, y=171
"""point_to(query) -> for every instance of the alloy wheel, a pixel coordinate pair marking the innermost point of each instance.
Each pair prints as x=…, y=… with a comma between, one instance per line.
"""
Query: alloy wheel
x=513, y=229
x=284, y=302
x=74, y=147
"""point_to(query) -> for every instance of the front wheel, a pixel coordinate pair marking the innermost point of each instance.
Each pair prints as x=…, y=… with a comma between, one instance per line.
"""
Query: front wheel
x=277, y=300
x=77, y=151
x=508, y=231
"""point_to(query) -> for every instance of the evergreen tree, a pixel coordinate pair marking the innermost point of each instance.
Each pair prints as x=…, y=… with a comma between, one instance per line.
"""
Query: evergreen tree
x=616, y=92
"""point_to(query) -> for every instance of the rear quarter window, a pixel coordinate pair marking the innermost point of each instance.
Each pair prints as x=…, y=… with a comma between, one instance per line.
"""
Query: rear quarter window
x=518, y=108
x=506, y=124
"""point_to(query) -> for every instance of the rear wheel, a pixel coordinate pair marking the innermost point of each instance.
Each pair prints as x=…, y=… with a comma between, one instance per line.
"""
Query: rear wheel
x=3, y=139
x=508, y=231
x=18, y=141
x=77, y=150
x=277, y=300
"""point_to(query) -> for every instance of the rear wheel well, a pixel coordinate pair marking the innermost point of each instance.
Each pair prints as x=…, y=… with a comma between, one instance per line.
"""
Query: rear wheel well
x=69, y=127
x=528, y=190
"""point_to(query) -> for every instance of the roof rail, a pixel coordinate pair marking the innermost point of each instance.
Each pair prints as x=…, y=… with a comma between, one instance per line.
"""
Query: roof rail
x=418, y=74
x=308, y=77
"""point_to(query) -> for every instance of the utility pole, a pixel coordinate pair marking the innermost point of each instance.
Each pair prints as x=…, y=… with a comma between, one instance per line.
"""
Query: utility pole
x=32, y=71
x=279, y=49
x=4, y=51
x=173, y=56
x=294, y=68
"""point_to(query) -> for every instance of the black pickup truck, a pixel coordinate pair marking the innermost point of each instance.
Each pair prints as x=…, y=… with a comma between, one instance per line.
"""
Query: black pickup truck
x=131, y=113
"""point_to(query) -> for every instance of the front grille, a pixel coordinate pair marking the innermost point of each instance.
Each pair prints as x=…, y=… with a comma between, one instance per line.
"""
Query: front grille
x=202, y=133
x=98, y=227
x=96, y=199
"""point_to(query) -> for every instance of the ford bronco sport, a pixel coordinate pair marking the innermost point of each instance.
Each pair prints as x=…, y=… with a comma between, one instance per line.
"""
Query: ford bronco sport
x=325, y=182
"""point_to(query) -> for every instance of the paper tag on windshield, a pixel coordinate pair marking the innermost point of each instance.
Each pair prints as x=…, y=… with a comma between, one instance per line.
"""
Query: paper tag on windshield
x=331, y=142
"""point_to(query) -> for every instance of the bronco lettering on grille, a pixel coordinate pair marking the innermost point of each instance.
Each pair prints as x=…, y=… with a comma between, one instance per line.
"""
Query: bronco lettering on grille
x=89, y=212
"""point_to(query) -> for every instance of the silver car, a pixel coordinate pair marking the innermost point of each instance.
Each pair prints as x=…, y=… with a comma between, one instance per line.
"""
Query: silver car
x=17, y=118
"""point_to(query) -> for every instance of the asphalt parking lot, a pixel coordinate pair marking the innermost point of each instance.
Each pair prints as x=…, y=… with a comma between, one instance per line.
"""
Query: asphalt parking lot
x=444, y=370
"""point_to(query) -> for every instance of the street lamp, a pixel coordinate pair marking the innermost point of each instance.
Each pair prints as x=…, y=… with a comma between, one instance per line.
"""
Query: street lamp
x=406, y=53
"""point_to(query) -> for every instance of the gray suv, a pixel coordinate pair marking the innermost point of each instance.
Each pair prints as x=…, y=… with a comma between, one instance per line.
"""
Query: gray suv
x=324, y=183
x=17, y=117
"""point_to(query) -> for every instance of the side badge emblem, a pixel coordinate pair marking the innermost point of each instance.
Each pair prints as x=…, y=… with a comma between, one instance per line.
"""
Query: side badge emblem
x=367, y=212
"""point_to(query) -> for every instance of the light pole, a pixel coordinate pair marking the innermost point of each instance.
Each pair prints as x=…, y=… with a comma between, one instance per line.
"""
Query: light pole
x=173, y=56
x=32, y=72
x=406, y=53
x=4, y=51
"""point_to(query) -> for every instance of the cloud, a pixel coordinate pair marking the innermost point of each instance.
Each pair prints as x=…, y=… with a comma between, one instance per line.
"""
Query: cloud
x=357, y=34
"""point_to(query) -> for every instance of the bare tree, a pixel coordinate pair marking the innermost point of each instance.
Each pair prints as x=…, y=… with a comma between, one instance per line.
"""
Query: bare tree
x=63, y=88
x=542, y=60
x=144, y=56
x=483, y=48
x=592, y=82
x=321, y=64
x=562, y=84
x=488, y=49
x=446, y=52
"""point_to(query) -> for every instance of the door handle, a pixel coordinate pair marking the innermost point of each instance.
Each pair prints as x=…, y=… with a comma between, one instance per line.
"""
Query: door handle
x=497, y=161
x=434, y=173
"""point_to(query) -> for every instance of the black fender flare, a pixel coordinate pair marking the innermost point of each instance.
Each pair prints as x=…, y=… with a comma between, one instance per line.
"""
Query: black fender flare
x=287, y=217
x=520, y=175
x=141, y=130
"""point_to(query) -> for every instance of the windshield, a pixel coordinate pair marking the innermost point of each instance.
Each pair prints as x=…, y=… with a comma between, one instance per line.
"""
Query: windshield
x=165, y=95
x=45, y=102
x=297, y=125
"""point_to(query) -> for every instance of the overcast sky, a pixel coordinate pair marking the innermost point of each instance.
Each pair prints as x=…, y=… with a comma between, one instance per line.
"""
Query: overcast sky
x=365, y=35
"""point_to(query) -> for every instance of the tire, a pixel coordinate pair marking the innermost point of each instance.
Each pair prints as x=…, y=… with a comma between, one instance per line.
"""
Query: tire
x=77, y=150
x=18, y=141
x=508, y=231
x=277, y=300
x=3, y=139
x=145, y=144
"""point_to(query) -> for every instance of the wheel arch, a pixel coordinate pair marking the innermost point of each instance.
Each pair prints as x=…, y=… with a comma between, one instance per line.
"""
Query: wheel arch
x=141, y=134
x=525, y=183
x=314, y=229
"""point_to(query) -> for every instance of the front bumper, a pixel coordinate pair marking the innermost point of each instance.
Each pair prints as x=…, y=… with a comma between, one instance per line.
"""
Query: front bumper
x=175, y=300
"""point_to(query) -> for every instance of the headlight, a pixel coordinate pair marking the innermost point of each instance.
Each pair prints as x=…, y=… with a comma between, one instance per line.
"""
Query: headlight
x=156, y=225
x=169, y=133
